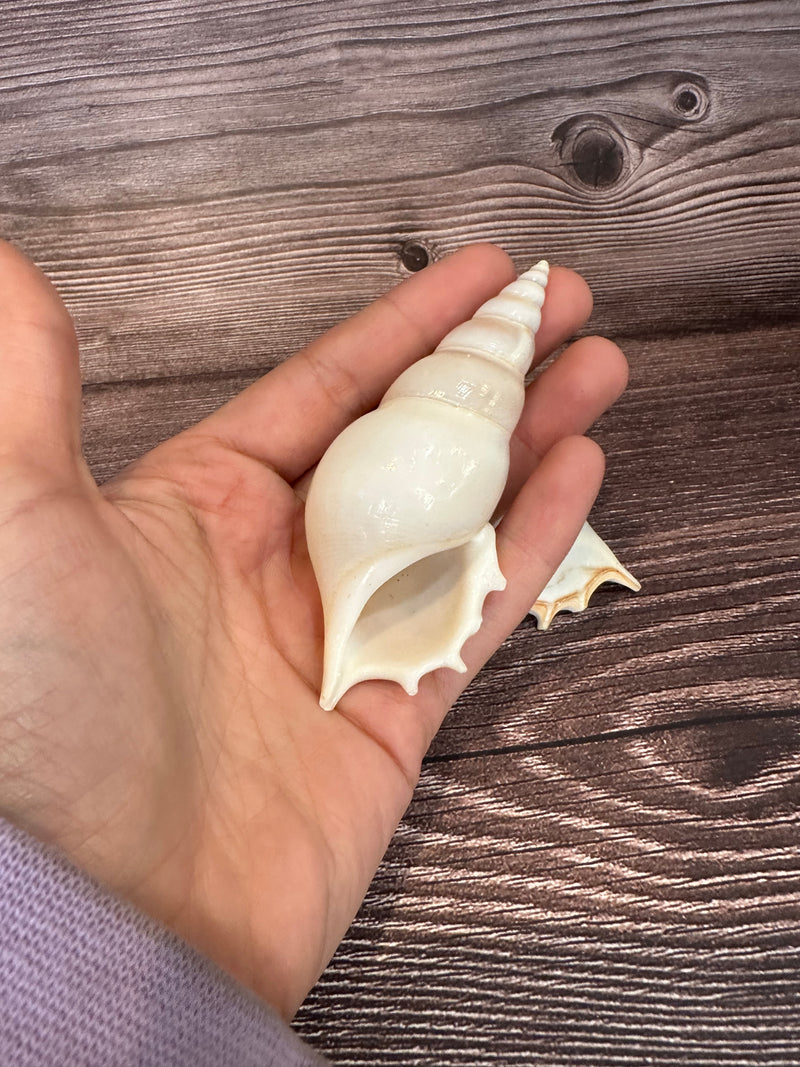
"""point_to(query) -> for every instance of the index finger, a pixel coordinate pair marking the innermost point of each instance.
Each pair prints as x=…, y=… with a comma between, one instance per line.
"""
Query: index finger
x=289, y=417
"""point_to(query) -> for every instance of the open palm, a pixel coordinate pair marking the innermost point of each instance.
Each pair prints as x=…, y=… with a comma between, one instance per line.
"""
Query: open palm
x=161, y=637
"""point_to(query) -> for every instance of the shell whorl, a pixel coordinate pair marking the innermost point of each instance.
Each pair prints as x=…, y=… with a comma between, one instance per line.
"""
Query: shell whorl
x=481, y=364
x=494, y=330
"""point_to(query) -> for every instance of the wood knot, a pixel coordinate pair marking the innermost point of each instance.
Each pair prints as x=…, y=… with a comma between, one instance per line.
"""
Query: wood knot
x=759, y=753
x=598, y=158
x=600, y=150
x=690, y=100
x=414, y=256
x=594, y=150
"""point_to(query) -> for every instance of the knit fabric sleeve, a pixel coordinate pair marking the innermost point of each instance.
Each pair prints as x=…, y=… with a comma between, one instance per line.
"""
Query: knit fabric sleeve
x=89, y=981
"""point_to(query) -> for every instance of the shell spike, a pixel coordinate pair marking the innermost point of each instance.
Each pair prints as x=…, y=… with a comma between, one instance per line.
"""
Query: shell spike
x=588, y=564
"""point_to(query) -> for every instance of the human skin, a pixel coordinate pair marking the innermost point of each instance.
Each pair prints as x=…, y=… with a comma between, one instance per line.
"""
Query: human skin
x=161, y=636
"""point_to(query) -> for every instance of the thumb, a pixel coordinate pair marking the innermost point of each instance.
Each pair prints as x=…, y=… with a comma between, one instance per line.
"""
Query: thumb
x=40, y=386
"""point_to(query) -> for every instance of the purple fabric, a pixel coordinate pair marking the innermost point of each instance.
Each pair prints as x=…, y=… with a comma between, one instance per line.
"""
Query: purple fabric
x=87, y=980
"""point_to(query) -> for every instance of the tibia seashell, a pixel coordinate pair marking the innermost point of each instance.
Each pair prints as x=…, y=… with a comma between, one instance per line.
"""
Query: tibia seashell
x=587, y=565
x=398, y=515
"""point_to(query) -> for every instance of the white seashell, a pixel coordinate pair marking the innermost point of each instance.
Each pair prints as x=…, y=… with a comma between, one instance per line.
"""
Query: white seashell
x=587, y=565
x=398, y=515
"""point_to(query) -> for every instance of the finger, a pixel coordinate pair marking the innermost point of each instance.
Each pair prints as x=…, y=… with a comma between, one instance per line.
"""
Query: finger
x=532, y=540
x=40, y=388
x=567, y=306
x=564, y=401
x=289, y=417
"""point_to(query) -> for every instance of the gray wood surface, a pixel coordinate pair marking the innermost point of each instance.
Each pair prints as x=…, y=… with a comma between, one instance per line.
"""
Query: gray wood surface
x=601, y=865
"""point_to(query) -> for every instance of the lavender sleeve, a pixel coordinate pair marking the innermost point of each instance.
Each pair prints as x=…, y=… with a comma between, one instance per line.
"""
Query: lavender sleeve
x=87, y=980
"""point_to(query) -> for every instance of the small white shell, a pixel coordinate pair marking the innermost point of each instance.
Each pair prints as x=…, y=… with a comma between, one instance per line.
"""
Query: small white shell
x=587, y=565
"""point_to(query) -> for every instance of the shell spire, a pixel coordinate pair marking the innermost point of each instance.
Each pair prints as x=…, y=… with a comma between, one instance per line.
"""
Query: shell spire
x=398, y=515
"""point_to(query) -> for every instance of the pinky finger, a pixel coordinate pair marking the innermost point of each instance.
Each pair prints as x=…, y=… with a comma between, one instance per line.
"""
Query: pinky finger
x=533, y=538
x=544, y=520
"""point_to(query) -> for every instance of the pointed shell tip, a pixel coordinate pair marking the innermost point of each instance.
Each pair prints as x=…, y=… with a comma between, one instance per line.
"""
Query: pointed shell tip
x=539, y=272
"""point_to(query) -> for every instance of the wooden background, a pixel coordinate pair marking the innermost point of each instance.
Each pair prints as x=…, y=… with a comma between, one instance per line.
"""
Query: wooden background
x=602, y=862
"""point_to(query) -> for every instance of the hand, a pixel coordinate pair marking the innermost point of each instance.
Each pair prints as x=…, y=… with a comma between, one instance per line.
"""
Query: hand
x=161, y=636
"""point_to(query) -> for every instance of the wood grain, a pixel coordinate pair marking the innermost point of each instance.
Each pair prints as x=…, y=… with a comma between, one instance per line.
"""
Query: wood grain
x=601, y=864
x=272, y=170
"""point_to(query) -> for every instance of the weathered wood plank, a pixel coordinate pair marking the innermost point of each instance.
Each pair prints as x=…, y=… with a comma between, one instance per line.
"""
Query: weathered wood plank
x=123, y=420
x=268, y=165
x=601, y=864
x=594, y=903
